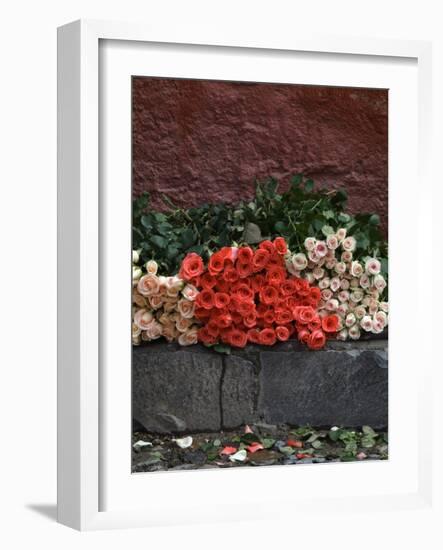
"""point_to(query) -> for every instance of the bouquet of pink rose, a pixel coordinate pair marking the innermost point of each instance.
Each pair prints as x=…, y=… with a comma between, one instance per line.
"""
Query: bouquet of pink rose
x=162, y=306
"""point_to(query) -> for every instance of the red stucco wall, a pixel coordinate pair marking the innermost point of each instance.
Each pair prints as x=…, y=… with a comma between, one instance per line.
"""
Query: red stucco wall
x=201, y=141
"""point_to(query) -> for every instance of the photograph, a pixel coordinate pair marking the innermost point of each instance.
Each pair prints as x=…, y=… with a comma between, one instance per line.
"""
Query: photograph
x=259, y=321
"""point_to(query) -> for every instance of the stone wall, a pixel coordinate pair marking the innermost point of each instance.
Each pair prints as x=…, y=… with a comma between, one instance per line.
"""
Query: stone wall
x=177, y=389
x=201, y=141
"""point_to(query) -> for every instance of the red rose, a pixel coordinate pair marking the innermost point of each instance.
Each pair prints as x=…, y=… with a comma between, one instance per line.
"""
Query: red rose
x=205, y=299
x=315, y=324
x=330, y=323
x=269, y=317
x=216, y=263
x=201, y=313
x=230, y=275
x=304, y=314
x=238, y=338
x=224, y=320
x=268, y=295
x=221, y=300
x=207, y=281
x=282, y=333
x=260, y=259
x=245, y=308
x=267, y=245
x=192, y=266
x=315, y=293
x=244, y=292
x=303, y=335
x=205, y=337
x=275, y=261
x=250, y=320
x=223, y=286
x=276, y=276
x=243, y=269
x=280, y=245
x=267, y=337
x=283, y=316
x=253, y=336
x=288, y=287
x=245, y=255
x=303, y=287
x=316, y=340
x=228, y=253
x=213, y=328
x=257, y=282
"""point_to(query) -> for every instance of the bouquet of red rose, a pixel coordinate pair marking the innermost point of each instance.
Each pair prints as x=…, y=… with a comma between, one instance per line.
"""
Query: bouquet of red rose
x=247, y=295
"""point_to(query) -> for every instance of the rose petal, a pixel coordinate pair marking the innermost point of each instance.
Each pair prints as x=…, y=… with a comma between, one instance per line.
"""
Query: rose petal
x=248, y=430
x=255, y=447
x=240, y=456
x=294, y=443
x=138, y=445
x=228, y=450
x=184, y=442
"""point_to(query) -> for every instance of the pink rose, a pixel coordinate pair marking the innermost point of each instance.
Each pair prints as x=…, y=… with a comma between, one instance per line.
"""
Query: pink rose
x=183, y=324
x=321, y=249
x=356, y=269
x=354, y=332
x=340, y=268
x=143, y=318
x=335, y=284
x=151, y=267
x=310, y=243
x=324, y=283
x=148, y=285
x=366, y=323
x=186, y=308
x=332, y=305
x=346, y=256
x=349, y=244
x=332, y=242
x=155, y=301
x=190, y=292
x=153, y=331
x=341, y=233
x=372, y=266
x=189, y=337
x=326, y=294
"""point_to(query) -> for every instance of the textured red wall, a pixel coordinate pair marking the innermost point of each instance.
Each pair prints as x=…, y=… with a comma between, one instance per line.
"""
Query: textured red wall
x=201, y=141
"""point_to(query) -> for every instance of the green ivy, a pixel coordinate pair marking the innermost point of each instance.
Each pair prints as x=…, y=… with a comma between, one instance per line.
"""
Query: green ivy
x=301, y=211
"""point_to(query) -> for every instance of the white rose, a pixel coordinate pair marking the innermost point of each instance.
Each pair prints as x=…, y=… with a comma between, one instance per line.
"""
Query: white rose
x=379, y=283
x=356, y=269
x=332, y=242
x=313, y=257
x=366, y=323
x=321, y=249
x=343, y=309
x=343, y=296
x=354, y=283
x=151, y=267
x=341, y=233
x=310, y=278
x=364, y=281
x=381, y=317
x=346, y=256
x=136, y=273
x=340, y=268
x=357, y=295
x=326, y=294
x=377, y=327
x=324, y=283
x=173, y=286
x=135, y=256
x=136, y=330
x=330, y=264
x=354, y=332
x=360, y=312
x=332, y=305
x=349, y=244
x=350, y=320
x=372, y=266
x=335, y=284
x=342, y=335
x=384, y=306
x=310, y=243
x=299, y=261
x=318, y=272
x=344, y=284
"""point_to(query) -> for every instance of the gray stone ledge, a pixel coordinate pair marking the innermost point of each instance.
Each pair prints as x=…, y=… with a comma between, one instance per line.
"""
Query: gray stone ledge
x=177, y=389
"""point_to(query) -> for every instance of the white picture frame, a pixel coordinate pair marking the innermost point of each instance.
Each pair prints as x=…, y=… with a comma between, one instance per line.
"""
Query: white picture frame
x=82, y=409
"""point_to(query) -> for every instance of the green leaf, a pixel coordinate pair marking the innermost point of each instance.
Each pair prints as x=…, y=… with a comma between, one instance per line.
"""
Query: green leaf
x=268, y=442
x=309, y=186
x=146, y=221
x=252, y=234
x=327, y=230
x=161, y=242
x=368, y=431
x=374, y=219
x=222, y=348
x=280, y=227
x=187, y=238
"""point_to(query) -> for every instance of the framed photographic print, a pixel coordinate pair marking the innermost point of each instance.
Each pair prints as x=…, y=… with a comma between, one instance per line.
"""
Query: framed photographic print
x=231, y=239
